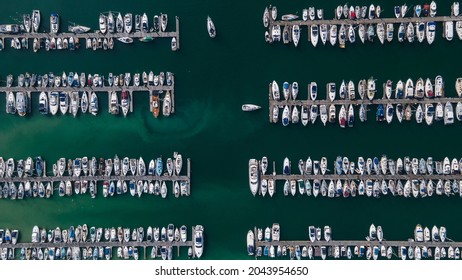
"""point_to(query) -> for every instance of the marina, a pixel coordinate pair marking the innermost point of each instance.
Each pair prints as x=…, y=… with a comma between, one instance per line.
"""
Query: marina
x=83, y=242
x=67, y=93
x=371, y=177
x=104, y=38
x=267, y=243
x=424, y=101
x=29, y=178
x=364, y=21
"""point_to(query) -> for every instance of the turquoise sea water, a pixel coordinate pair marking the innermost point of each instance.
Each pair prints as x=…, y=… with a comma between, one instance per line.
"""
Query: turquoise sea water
x=212, y=79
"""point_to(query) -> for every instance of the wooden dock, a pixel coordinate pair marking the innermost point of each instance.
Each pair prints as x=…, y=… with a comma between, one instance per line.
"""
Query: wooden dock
x=98, y=35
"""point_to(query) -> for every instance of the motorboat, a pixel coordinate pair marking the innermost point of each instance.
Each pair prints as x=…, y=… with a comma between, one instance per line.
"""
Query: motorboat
x=250, y=243
x=128, y=23
x=449, y=30
x=314, y=34
x=198, y=240
x=253, y=176
x=371, y=88
x=439, y=86
x=430, y=31
x=296, y=34
x=432, y=9
x=35, y=20
x=210, y=28
x=333, y=34
x=448, y=113
x=54, y=23
x=103, y=23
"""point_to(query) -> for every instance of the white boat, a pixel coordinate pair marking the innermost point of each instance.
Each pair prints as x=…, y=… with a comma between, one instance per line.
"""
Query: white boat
x=419, y=114
x=459, y=29
x=339, y=12
x=381, y=32
x=164, y=22
x=275, y=90
x=323, y=113
x=455, y=9
x=295, y=115
x=167, y=105
x=286, y=116
x=362, y=32
x=198, y=240
x=35, y=20
x=410, y=32
x=103, y=23
x=333, y=34
x=351, y=34
x=84, y=102
x=432, y=9
x=314, y=34
x=342, y=117
x=420, y=30
x=351, y=90
x=210, y=28
x=313, y=90
x=448, y=113
x=459, y=87
x=371, y=88
x=331, y=91
x=409, y=91
x=250, y=243
x=266, y=17
x=372, y=232
x=429, y=113
x=459, y=111
x=430, y=31
x=294, y=90
x=439, y=86
x=253, y=176
x=323, y=30
x=128, y=23
x=296, y=34
x=342, y=36
x=449, y=30
x=419, y=89
x=390, y=32
x=311, y=13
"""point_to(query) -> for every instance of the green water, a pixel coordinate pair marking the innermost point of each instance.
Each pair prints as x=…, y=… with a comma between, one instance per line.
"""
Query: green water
x=213, y=78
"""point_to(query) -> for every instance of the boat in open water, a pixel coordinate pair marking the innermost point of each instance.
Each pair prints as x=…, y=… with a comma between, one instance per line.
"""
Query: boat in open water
x=210, y=28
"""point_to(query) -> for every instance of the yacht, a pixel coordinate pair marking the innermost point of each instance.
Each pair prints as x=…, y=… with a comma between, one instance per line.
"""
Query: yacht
x=103, y=23
x=314, y=34
x=448, y=113
x=43, y=103
x=296, y=34
x=449, y=30
x=164, y=21
x=362, y=33
x=253, y=176
x=198, y=240
x=333, y=34
x=439, y=86
x=430, y=32
x=381, y=32
x=11, y=103
x=35, y=20
x=114, y=105
x=433, y=9
x=210, y=28
x=390, y=32
x=128, y=23
x=323, y=29
x=54, y=23
x=371, y=88
x=21, y=103
x=250, y=243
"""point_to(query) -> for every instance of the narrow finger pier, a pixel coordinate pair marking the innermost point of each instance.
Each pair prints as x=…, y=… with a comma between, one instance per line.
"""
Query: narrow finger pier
x=426, y=243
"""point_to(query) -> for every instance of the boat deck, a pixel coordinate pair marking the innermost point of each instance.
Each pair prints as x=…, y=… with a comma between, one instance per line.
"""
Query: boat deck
x=99, y=35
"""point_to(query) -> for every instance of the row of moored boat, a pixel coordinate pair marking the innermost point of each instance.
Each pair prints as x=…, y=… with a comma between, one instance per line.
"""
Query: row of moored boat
x=73, y=236
x=414, y=251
